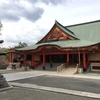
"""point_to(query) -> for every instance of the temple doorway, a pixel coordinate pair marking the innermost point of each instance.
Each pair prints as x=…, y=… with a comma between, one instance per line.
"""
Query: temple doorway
x=56, y=58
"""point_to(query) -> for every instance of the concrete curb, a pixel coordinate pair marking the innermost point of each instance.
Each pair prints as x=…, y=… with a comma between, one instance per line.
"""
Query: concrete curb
x=76, y=76
x=58, y=90
x=6, y=88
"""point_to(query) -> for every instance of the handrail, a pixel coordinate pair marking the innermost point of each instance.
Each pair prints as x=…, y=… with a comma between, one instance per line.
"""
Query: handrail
x=60, y=68
x=76, y=69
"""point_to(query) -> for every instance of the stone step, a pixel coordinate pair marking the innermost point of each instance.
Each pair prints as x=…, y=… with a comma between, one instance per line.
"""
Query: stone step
x=70, y=70
x=47, y=67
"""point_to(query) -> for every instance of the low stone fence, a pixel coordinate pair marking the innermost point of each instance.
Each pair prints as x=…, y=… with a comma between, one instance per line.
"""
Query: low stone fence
x=60, y=68
x=14, y=65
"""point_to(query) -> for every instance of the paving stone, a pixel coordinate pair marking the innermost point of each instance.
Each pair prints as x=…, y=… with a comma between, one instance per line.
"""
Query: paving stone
x=76, y=92
x=93, y=96
x=88, y=93
x=82, y=94
x=23, y=75
x=65, y=91
x=59, y=90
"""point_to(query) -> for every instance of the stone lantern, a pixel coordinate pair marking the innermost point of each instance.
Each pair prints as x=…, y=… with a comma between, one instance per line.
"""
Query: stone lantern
x=3, y=83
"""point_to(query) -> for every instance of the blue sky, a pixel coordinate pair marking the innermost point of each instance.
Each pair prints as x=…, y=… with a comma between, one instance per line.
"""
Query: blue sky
x=29, y=20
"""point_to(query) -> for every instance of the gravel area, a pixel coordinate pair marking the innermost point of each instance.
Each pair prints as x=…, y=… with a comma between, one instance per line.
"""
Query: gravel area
x=19, y=93
x=87, y=85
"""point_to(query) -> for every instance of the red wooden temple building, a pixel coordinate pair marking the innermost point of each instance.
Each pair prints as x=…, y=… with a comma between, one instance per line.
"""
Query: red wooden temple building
x=66, y=44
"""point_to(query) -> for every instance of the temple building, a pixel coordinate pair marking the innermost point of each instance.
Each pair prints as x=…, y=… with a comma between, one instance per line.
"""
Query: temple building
x=74, y=44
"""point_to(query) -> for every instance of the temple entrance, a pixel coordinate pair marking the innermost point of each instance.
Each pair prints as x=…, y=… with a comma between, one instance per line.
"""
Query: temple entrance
x=56, y=58
x=74, y=58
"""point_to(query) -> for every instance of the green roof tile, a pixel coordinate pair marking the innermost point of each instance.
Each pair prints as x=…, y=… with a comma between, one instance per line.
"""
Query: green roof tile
x=2, y=52
x=66, y=30
x=88, y=31
x=86, y=34
x=61, y=44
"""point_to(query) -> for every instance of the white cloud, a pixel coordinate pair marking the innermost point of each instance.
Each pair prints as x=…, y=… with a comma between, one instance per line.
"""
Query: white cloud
x=29, y=20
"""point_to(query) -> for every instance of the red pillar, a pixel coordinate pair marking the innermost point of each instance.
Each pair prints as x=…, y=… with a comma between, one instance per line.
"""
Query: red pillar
x=33, y=60
x=11, y=60
x=79, y=57
x=67, y=60
x=43, y=63
x=24, y=56
x=84, y=60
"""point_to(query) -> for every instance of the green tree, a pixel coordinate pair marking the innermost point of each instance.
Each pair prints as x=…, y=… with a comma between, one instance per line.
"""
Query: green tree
x=6, y=50
x=20, y=45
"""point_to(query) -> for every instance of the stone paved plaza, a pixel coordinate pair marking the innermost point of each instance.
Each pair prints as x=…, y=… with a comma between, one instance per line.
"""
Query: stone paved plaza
x=83, y=86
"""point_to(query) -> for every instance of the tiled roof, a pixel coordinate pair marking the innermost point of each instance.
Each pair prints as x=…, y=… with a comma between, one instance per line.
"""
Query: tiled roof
x=64, y=29
x=86, y=34
x=89, y=31
x=67, y=31
x=2, y=52
x=61, y=44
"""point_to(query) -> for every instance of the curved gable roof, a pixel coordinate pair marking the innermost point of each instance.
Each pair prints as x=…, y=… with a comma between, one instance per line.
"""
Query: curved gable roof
x=65, y=30
x=88, y=34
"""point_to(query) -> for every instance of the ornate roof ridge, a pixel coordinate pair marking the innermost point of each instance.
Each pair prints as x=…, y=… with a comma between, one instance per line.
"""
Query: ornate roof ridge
x=83, y=23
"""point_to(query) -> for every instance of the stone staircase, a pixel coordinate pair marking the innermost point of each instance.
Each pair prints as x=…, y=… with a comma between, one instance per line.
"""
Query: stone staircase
x=70, y=70
x=47, y=67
